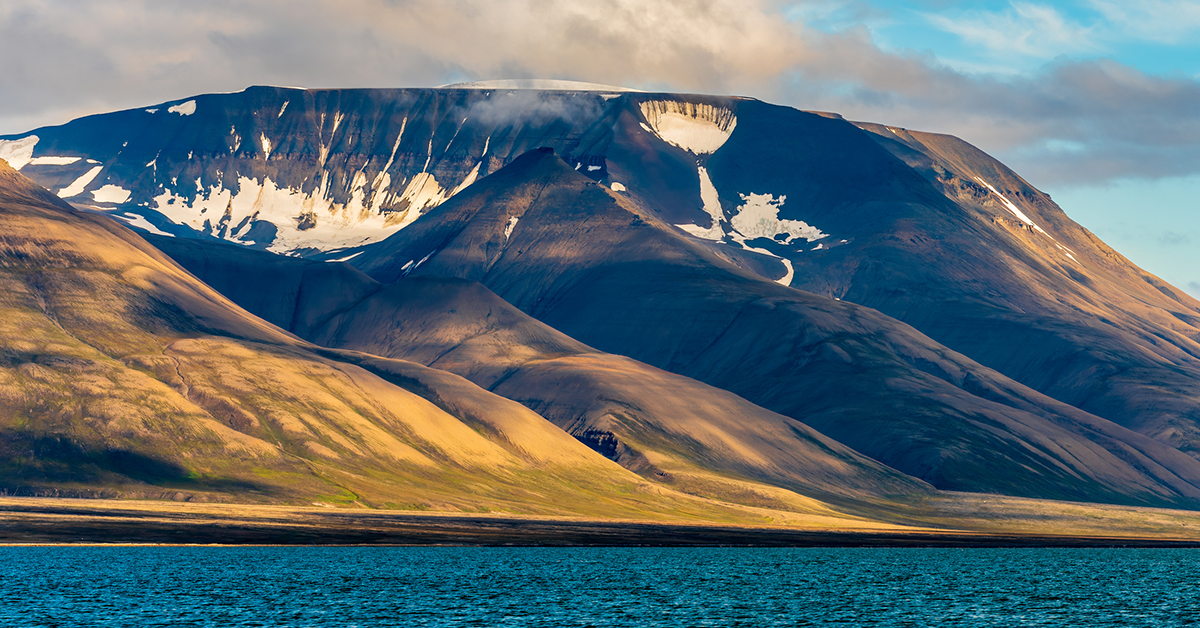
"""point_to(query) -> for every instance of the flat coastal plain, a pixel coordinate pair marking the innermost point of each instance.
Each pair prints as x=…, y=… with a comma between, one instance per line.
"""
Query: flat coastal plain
x=950, y=520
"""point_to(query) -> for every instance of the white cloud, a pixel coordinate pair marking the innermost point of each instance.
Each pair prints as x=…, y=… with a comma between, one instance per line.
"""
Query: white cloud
x=1023, y=28
x=1161, y=21
x=64, y=59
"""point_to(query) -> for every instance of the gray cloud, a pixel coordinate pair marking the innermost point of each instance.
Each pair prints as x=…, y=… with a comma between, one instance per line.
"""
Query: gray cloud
x=1070, y=122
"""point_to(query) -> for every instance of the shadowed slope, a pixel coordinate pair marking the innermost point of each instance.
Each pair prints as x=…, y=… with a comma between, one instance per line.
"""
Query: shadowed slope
x=586, y=262
x=1051, y=306
x=666, y=427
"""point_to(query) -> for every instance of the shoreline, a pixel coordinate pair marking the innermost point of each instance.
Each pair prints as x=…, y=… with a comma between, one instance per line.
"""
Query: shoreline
x=46, y=522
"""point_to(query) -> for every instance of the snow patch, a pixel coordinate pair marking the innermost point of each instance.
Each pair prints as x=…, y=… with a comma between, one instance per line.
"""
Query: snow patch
x=422, y=192
x=337, y=225
x=617, y=187
x=283, y=108
x=467, y=180
x=79, y=184
x=134, y=220
x=594, y=168
x=508, y=229
x=347, y=258
x=712, y=206
x=409, y=267
x=1011, y=207
x=758, y=217
x=184, y=109
x=111, y=194
x=699, y=129
x=266, y=145
x=18, y=152
x=152, y=111
x=786, y=280
x=53, y=161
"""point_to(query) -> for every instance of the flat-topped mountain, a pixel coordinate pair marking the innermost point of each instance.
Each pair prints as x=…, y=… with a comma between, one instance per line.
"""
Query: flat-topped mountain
x=1002, y=347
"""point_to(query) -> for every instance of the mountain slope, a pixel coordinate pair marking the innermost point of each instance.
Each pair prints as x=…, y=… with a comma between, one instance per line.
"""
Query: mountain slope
x=124, y=375
x=668, y=428
x=586, y=261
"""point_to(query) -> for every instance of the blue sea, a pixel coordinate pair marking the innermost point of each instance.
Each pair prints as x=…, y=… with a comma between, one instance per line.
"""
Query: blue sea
x=675, y=587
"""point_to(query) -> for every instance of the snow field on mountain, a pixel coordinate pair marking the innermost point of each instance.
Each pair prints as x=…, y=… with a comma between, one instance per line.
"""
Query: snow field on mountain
x=134, y=220
x=758, y=217
x=110, y=193
x=18, y=153
x=699, y=129
x=53, y=161
x=1011, y=207
x=76, y=188
x=184, y=108
x=712, y=206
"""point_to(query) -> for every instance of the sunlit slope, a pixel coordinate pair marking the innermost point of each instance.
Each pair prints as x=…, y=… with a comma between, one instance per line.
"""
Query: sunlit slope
x=591, y=264
x=123, y=375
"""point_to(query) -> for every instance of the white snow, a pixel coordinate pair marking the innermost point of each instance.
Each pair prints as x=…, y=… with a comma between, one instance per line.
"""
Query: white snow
x=758, y=217
x=339, y=226
x=699, y=129
x=18, y=152
x=617, y=187
x=283, y=108
x=467, y=180
x=594, y=168
x=1011, y=207
x=76, y=188
x=111, y=194
x=422, y=192
x=786, y=279
x=542, y=84
x=418, y=264
x=347, y=258
x=53, y=161
x=508, y=229
x=152, y=111
x=818, y=247
x=266, y=146
x=153, y=163
x=140, y=222
x=184, y=109
x=712, y=205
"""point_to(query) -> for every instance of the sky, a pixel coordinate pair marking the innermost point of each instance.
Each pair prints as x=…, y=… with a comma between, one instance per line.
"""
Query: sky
x=1096, y=102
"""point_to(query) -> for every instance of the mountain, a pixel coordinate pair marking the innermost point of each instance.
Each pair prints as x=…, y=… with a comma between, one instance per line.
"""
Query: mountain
x=586, y=261
x=996, y=288
x=922, y=227
x=123, y=375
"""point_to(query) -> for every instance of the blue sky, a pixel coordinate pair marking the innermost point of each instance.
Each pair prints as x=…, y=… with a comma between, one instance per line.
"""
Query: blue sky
x=1093, y=101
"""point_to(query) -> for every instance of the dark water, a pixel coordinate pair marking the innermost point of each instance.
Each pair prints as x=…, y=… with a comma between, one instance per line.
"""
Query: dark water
x=61, y=586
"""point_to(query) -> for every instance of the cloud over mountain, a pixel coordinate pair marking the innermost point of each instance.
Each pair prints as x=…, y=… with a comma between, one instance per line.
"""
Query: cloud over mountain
x=1073, y=120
